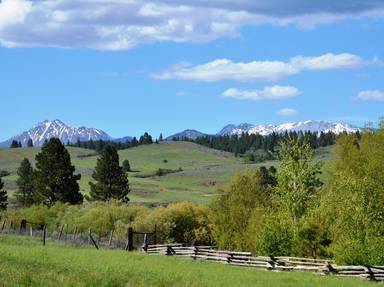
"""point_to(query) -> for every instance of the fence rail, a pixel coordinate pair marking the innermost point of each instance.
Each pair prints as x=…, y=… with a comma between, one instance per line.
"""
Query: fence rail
x=281, y=263
x=209, y=253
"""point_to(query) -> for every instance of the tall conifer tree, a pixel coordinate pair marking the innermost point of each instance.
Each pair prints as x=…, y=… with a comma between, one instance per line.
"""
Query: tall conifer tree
x=25, y=194
x=3, y=196
x=54, y=176
x=111, y=181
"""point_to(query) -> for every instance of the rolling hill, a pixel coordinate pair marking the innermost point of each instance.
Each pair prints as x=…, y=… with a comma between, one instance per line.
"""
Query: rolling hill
x=204, y=170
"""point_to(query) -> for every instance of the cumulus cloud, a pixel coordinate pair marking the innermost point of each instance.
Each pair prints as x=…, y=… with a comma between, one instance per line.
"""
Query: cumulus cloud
x=123, y=24
x=287, y=112
x=371, y=95
x=224, y=69
x=268, y=93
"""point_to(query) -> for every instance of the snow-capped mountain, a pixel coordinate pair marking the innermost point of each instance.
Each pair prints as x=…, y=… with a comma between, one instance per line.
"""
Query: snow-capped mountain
x=190, y=134
x=311, y=125
x=57, y=129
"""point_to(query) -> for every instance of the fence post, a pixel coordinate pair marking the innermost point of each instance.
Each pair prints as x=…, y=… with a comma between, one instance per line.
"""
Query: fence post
x=155, y=235
x=23, y=226
x=93, y=241
x=129, y=245
x=74, y=233
x=5, y=221
x=196, y=251
x=31, y=231
x=61, y=231
x=110, y=237
x=44, y=234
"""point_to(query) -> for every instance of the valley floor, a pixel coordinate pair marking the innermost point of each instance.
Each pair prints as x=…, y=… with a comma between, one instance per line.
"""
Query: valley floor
x=25, y=262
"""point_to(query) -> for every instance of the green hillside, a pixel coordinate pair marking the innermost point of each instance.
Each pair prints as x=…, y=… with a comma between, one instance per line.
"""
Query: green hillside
x=204, y=170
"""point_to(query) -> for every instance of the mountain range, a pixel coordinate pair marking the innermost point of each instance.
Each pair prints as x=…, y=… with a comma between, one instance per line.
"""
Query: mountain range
x=56, y=128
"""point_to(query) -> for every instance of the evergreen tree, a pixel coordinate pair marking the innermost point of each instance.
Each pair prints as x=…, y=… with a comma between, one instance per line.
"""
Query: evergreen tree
x=30, y=143
x=14, y=144
x=3, y=196
x=146, y=139
x=111, y=181
x=54, y=176
x=25, y=194
x=126, y=166
x=161, y=137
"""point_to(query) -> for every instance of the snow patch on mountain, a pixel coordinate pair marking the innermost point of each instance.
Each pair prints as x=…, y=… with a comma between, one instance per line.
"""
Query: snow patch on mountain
x=57, y=129
x=310, y=125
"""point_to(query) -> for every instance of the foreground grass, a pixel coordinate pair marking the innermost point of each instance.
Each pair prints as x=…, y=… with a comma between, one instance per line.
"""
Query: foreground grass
x=24, y=262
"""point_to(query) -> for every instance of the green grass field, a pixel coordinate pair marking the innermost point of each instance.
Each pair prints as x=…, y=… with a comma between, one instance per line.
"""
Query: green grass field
x=205, y=170
x=25, y=262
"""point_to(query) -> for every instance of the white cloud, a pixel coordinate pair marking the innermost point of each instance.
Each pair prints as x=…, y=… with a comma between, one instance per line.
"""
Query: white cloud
x=268, y=93
x=13, y=12
x=123, y=24
x=287, y=112
x=371, y=95
x=224, y=69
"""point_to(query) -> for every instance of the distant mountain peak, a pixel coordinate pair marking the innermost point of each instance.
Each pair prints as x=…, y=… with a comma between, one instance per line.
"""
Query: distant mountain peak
x=189, y=133
x=308, y=125
x=57, y=129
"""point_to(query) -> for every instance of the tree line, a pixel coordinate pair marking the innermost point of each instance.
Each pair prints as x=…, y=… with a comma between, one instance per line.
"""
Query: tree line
x=99, y=145
x=17, y=144
x=245, y=142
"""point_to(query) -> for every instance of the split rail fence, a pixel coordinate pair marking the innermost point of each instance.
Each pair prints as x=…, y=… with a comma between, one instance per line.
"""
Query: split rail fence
x=141, y=241
x=280, y=263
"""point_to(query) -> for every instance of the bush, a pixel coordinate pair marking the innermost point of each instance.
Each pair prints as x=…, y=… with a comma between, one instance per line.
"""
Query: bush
x=4, y=173
x=179, y=222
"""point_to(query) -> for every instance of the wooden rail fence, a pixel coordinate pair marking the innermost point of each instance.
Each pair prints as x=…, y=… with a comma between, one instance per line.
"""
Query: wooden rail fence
x=209, y=253
x=280, y=263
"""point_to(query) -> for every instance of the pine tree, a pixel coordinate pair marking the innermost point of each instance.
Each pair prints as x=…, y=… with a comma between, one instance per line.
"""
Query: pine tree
x=54, y=176
x=30, y=143
x=146, y=139
x=14, y=144
x=3, y=196
x=25, y=194
x=126, y=166
x=111, y=181
x=161, y=137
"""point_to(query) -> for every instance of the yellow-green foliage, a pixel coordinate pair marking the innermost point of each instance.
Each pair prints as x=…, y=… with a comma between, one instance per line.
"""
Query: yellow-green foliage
x=179, y=222
x=238, y=214
x=353, y=202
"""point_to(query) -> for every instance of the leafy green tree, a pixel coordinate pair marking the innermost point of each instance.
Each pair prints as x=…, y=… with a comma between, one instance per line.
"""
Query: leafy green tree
x=30, y=143
x=25, y=192
x=297, y=178
x=111, y=180
x=54, y=176
x=126, y=166
x=352, y=205
x=3, y=196
x=237, y=215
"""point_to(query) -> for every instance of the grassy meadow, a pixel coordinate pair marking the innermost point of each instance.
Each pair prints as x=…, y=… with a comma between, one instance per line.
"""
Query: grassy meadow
x=204, y=170
x=25, y=262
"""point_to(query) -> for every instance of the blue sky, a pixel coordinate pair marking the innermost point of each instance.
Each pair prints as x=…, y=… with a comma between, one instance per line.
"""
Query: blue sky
x=229, y=64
